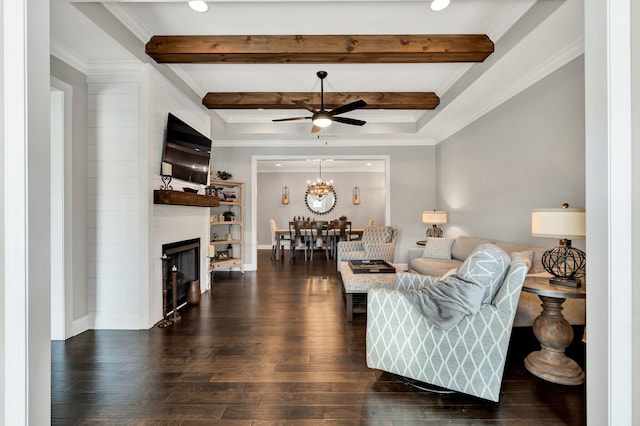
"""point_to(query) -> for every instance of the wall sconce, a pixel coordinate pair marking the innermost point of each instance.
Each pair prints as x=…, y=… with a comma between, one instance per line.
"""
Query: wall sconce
x=356, y=196
x=285, y=195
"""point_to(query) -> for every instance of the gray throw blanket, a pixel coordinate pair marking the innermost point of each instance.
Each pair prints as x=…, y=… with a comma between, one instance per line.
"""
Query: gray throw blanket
x=446, y=301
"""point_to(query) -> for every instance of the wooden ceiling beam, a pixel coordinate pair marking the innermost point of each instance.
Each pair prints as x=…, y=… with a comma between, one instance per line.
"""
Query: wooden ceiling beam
x=284, y=100
x=320, y=49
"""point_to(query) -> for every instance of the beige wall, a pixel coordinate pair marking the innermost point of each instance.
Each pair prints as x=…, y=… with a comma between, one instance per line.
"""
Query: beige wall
x=372, y=194
x=412, y=184
x=528, y=153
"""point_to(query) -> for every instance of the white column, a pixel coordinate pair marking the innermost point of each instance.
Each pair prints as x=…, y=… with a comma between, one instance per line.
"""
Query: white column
x=609, y=212
x=25, y=342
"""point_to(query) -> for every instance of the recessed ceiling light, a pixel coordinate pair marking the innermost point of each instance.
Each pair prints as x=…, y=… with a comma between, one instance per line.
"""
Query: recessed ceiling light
x=278, y=164
x=438, y=5
x=201, y=6
x=369, y=164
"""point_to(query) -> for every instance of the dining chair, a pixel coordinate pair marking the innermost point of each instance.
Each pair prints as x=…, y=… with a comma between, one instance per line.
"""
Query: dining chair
x=276, y=243
x=341, y=232
x=299, y=238
x=320, y=237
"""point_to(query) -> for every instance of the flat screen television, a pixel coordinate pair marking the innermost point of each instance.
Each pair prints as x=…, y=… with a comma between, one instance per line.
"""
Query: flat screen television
x=187, y=150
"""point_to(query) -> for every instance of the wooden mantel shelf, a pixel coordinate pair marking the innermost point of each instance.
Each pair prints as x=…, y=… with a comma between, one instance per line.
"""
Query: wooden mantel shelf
x=184, y=199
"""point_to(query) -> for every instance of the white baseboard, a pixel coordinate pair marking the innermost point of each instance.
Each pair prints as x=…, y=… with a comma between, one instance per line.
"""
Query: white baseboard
x=81, y=325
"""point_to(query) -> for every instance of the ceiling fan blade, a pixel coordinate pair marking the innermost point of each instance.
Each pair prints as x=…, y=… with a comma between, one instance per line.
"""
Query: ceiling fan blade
x=348, y=107
x=304, y=105
x=315, y=129
x=290, y=119
x=346, y=120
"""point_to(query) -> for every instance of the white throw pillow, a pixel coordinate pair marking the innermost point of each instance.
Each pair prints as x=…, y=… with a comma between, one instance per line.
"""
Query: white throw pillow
x=438, y=248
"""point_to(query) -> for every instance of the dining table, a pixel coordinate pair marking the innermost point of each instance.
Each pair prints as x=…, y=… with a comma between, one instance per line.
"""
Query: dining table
x=281, y=233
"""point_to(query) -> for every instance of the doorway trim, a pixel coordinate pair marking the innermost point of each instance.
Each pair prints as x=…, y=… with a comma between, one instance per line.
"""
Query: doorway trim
x=61, y=246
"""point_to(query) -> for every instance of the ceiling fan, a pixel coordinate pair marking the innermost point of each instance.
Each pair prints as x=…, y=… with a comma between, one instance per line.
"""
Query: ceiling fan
x=323, y=118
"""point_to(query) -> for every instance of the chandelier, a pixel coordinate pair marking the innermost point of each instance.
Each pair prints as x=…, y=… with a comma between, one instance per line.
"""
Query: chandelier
x=319, y=188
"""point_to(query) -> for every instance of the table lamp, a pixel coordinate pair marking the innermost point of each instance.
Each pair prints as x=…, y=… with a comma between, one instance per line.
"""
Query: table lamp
x=564, y=262
x=435, y=218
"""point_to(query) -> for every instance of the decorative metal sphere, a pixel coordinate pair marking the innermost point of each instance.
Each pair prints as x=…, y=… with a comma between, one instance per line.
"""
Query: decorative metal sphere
x=434, y=232
x=564, y=262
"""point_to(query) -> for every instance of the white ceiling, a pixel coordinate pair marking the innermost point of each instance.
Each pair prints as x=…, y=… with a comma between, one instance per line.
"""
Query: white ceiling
x=532, y=39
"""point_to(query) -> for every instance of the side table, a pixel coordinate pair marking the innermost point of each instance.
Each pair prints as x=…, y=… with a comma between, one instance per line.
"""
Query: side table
x=554, y=333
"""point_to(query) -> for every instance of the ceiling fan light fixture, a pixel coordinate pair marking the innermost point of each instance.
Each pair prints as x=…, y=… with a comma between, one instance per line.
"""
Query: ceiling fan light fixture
x=438, y=5
x=198, y=5
x=322, y=119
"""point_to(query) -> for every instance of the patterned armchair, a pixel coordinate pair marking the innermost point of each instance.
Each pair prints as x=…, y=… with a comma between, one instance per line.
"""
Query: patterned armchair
x=377, y=242
x=468, y=358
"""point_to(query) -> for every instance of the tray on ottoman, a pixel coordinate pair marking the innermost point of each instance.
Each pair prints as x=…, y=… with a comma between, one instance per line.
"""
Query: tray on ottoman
x=375, y=266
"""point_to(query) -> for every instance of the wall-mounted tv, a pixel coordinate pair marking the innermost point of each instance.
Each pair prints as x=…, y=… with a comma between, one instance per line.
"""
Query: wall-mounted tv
x=187, y=150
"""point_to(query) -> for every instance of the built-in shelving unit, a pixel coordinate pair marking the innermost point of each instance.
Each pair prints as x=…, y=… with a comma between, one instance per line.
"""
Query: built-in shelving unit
x=227, y=236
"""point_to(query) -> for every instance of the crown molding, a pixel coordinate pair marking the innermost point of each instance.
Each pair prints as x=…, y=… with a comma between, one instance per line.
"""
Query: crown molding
x=115, y=67
x=220, y=143
x=68, y=56
x=556, y=61
x=129, y=20
x=73, y=59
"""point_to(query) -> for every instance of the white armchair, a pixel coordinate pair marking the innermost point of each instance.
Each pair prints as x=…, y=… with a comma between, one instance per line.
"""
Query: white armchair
x=467, y=358
x=377, y=242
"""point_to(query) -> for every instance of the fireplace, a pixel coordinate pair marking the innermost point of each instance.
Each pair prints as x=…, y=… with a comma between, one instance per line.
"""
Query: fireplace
x=185, y=257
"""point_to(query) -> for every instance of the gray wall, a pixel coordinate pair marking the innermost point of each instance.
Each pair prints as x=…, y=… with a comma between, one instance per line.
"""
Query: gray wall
x=372, y=195
x=412, y=187
x=76, y=173
x=528, y=153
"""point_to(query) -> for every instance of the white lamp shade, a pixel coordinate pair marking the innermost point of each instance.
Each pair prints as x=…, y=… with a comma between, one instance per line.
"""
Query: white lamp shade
x=434, y=217
x=558, y=223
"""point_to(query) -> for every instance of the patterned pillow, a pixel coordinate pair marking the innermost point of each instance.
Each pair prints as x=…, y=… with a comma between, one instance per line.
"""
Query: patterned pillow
x=438, y=248
x=486, y=266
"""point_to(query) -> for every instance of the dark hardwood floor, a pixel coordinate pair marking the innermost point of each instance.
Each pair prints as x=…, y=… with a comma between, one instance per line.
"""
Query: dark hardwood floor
x=273, y=347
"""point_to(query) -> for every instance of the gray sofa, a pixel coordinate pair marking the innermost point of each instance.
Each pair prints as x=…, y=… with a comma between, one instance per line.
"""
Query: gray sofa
x=529, y=305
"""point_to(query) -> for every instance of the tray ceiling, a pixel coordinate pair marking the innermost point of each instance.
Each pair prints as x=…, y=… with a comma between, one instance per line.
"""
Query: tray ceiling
x=532, y=38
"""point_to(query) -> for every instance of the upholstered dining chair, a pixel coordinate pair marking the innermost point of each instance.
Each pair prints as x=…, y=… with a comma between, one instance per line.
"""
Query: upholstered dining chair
x=320, y=239
x=340, y=231
x=377, y=242
x=467, y=358
x=300, y=238
x=275, y=242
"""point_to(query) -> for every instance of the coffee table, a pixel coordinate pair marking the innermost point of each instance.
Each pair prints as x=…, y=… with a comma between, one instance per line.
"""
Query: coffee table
x=359, y=285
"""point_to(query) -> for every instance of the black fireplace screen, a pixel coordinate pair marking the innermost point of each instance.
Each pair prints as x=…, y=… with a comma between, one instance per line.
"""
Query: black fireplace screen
x=185, y=257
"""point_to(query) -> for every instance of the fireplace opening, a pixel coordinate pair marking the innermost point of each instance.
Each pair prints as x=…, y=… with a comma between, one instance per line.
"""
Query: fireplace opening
x=185, y=257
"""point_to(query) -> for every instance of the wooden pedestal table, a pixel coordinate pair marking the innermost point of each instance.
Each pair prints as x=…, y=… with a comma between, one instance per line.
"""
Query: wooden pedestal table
x=554, y=333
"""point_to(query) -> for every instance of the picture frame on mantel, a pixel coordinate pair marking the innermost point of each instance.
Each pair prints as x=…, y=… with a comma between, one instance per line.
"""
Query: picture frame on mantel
x=222, y=254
